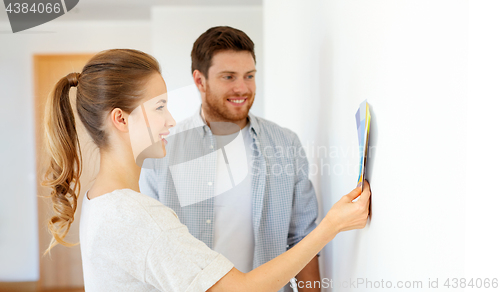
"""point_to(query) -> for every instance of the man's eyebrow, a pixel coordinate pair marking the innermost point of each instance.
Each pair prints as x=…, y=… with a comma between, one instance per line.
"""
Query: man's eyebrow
x=232, y=72
x=161, y=100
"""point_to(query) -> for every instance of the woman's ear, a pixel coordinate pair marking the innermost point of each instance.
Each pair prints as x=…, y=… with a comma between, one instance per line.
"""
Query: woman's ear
x=119, y=119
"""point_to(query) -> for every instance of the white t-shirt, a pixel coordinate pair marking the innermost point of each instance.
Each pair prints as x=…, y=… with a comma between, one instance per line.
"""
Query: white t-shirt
x=131, y=242
x=233, y=226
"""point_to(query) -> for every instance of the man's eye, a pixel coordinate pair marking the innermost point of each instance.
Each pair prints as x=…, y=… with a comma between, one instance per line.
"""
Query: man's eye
x=228, y=77
x=250, y=76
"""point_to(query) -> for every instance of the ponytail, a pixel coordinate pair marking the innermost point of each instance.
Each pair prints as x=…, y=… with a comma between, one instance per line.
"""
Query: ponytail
x=64, y=170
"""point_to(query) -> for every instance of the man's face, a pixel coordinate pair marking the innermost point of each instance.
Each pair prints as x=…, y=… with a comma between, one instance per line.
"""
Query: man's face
x=230, y=86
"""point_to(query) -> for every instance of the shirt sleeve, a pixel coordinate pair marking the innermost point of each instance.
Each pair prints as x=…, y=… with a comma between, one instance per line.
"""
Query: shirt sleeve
x=177, y=261
x=305, y=204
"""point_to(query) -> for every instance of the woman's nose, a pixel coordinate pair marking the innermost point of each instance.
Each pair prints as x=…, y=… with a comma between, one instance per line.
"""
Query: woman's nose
x=170, y=121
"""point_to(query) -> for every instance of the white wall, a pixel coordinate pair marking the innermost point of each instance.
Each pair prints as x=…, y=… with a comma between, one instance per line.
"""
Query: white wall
x=482, y=258
x=175, y=29
x=409, y=59
x=18, y=207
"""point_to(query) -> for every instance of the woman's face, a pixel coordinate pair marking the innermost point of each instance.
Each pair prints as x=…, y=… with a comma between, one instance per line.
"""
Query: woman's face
x=149, y=123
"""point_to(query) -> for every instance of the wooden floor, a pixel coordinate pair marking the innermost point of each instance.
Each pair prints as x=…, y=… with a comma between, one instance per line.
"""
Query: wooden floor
x=31, y=287
x=66, y=290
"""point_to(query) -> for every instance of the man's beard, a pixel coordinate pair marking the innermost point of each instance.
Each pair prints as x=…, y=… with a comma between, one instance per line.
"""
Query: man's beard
x=217, y=109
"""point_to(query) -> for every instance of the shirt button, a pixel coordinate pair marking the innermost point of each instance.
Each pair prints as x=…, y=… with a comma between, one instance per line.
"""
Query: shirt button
x=209, y=183
x=211, y=146
x=209, y=221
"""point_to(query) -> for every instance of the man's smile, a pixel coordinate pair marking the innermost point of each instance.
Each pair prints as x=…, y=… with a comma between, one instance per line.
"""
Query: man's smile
x=237, y=101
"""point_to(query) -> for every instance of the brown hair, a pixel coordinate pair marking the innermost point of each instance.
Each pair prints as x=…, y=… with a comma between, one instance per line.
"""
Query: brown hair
x=111, y=79
x=217, y=39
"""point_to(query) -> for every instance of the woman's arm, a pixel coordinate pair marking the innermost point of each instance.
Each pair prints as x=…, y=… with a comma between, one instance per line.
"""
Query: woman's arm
x=273, y=275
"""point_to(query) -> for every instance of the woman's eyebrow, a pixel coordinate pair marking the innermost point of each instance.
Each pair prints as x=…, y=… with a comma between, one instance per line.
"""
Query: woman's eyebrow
x=162, y=100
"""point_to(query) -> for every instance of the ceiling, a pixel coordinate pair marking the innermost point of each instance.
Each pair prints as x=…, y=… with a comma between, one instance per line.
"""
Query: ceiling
x=132, y=9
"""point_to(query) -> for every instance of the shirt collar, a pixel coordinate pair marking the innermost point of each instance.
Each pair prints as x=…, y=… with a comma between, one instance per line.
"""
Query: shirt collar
x=199, y=123
x=202, y=127
x=254, y=124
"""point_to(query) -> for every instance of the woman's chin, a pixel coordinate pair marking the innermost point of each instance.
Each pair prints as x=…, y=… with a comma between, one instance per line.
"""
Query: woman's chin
x=155, y=151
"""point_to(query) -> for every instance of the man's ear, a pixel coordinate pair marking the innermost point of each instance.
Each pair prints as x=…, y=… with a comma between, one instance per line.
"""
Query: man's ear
x=119, y=119
x=199, y=80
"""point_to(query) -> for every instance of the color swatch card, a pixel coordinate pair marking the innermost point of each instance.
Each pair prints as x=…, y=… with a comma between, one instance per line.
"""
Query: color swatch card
x=363, y=119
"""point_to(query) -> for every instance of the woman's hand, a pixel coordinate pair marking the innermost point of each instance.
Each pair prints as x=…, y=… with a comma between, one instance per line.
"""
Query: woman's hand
x=271, y=276
x=346, y=214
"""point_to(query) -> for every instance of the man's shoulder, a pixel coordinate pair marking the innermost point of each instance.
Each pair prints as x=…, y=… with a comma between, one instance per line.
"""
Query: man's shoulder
x=274, y=131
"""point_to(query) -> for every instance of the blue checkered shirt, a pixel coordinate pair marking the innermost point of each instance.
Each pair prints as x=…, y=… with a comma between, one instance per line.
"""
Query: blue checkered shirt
x=284, y=204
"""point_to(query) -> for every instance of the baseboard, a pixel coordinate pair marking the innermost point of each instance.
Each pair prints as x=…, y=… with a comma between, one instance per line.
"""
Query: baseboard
x=18, y=286
x=32, y=287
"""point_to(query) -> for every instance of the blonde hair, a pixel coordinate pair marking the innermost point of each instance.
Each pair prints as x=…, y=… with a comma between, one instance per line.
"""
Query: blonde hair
x=111, y=79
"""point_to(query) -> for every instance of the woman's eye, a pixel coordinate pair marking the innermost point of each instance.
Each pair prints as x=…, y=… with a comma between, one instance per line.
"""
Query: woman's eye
x=160, y=107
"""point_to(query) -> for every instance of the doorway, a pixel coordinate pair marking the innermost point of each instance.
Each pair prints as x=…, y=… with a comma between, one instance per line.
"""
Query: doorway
x=61, y=270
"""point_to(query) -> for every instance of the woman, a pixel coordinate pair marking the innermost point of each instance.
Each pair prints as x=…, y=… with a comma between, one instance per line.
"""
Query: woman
x=129, y=241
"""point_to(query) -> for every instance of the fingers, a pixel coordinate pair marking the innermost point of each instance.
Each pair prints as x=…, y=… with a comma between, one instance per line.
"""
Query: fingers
x=366, y=185
x=365, y=195
x=353, y=194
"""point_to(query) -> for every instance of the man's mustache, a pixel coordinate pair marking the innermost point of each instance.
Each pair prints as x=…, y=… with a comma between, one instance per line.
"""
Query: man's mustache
x=247, y=95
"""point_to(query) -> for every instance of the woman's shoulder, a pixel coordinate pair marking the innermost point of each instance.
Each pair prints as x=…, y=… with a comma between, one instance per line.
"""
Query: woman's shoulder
x=129, y=202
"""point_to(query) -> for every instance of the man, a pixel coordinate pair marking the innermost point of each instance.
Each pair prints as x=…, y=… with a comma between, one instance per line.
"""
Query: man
x=267, y=211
